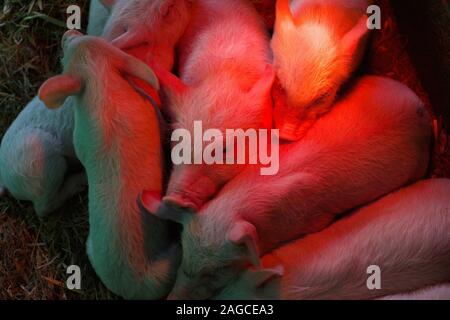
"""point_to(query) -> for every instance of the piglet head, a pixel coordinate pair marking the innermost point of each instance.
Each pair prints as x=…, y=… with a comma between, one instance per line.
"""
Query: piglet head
x=82, y=54
x=312, y=62
x=214, y=252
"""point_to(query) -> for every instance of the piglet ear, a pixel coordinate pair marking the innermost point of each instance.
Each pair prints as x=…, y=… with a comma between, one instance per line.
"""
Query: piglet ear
x=244, y=234
x=136, y=68
x=353, y=42
x=55, y=90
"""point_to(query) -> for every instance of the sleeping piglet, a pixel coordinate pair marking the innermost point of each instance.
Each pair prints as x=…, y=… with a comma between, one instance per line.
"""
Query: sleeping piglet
x=226, y=81
x=374, y=141
x=117, y=139
x=37, y=156
x=317, y=44
x=405, y=234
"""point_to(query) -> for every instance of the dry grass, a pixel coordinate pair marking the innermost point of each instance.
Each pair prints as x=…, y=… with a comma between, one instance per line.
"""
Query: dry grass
x=34, y=255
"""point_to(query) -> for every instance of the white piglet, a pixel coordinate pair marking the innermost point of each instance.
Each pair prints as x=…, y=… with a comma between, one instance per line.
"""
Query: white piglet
x=375, y=140
x=403, y=238
x=117, y=138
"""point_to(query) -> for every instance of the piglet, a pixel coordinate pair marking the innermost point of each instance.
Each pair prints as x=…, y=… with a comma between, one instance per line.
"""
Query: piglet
x=225, y=83
x=405, y=234
x=117, y=139
x=317, y=44
x=142, y=27
x=374, y=141
x=37, y=157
